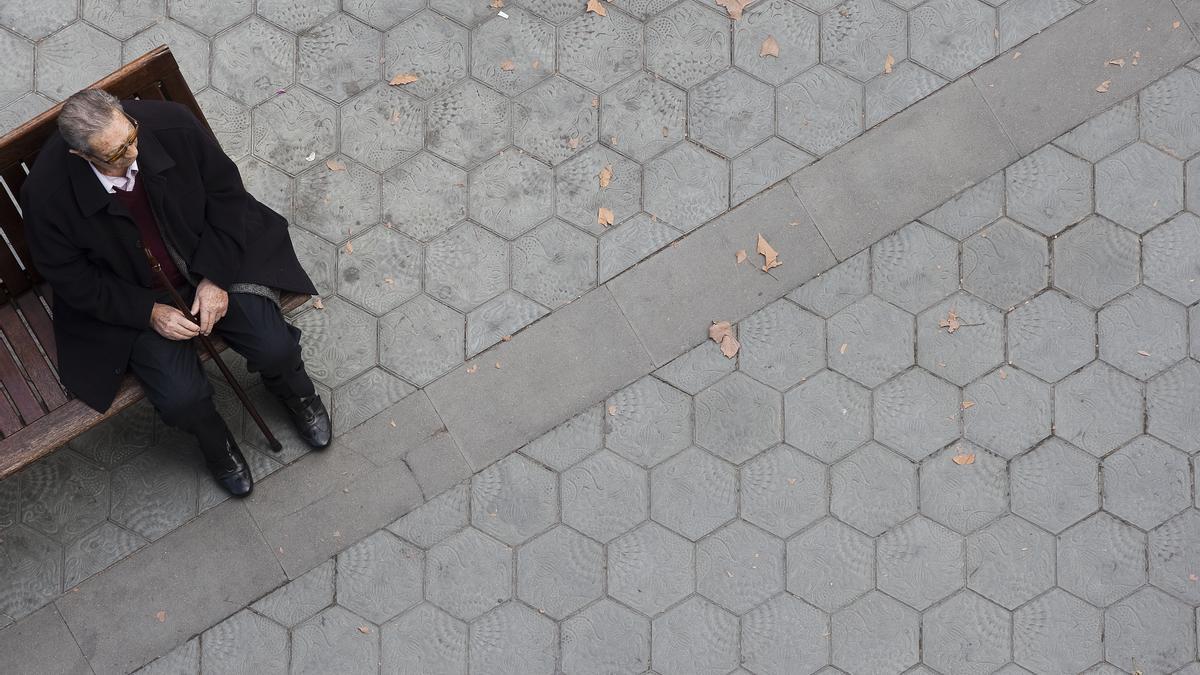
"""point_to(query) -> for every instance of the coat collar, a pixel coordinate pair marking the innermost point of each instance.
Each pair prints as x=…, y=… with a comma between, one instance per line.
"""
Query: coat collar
x=90, y=194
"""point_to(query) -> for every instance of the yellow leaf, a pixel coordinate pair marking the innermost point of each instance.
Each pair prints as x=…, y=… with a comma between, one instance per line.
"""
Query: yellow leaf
x=1103, y=86
x=770, y=255
x=606, y=175
x=595, y=101
x=507, y=65
x=403, y=78
x=595, y=7
x=740, y=256
x=770, y=47
x=604, y=216
x=1143, y=353
x=888, y=63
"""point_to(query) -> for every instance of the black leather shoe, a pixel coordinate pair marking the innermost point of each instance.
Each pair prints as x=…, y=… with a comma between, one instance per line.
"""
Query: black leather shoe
x=231, y=471
x=311, y=419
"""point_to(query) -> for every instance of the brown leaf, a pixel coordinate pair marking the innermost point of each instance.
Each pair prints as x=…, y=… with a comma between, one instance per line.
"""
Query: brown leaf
x=403, y=78
x=604, y=216
x=843, y=348
x=507, y=65
x=1103, y=86
x=472, y=368
x=536, y=63
x=161, y=615
x=1016, y=55
x=595, y=7
x=573, y=142
x=496, y=4
x=1136, y=56
x=1174, y=25
x=505, y=338
x=1117, y=62
x=317, y=303
x=1003, y=375
x=612, y=410
x=1143, y=353
x=770, y=255
x=951, y=323
x=335, y=165
x=770, y=47
x=364, y=629
x=392, y=423
x=733, y=7
x=349, y=247
x=606, y=175
x=968, y=404
x=888, y=63
x=740, y=256
x=497, y=365
x=962, y=458
x=595, y=101
x=721, y=332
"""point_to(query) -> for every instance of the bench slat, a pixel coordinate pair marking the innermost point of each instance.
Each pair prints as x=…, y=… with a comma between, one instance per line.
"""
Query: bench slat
x=9, y=422
x=18, y=389
x=44, y=379
x=43, y=330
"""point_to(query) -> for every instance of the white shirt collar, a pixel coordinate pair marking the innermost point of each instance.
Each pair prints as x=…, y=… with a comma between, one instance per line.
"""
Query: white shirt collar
x=113, y=183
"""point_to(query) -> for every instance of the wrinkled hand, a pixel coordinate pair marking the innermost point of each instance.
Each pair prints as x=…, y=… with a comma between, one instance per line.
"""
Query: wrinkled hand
x=171, y=323
x=210, y=305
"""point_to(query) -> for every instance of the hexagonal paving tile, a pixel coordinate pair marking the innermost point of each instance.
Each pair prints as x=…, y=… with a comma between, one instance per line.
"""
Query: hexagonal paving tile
x=292, y=127
x=605, y=638
x=597, y=51
x=739, y=566
x=425, y=638
x=1051, y=336
x=498, y=318
x=873, y=489
x=604, y=496
x=828, y=416
x=337, y=204
x=695, y=637
x=870, y=341
x=1057, y=633
x=1011, y=411
x=1096, y=261
x=424, y=197
x=429, y=46
x=637, y=112
x=1174, y=550
x=1166, y=108
x=554, y=11
x=952, y=37
x=514, y=499
x=512, y=53
x=296, y=17
x=781, y=345
x=339, y=342
x=1101, y=559
x=1172, y=404
x=1139, y=187
x=891, y=93
x=920, y=562
x=686, y=186
x=301, y=598
x=652, y=422
x=555, y=120
x=915, y=267
x=339, y=57
x=697, y=368
x=63, y=495
x=123, y=19
x=1010, y=561
x=1005, y=264
x=569, y=442
x=559, y=572
x=331, y=641
x=190, y=49
x=96, y=550
x=1146, y=482
x=783, y=491
x=731, y=113
x=1023, y=19
x=73, y=58
x=1098, y=408
x=268, y=185
x=784, y=635
x=966, y=634
x=382, y=15
x=253, y=61
x=1143, y=333
x=554, y=263
x=436, y=519
x=1101, y=135
x=245, y=640
x=792, y=27
x=819, y=109
x=468, y=124
x=1151, y=629
x=964, y=497
x=1049, y=190
x=466, y=267
x=974, y=348
x=650, y=568
x=32, y=567
x=382, y=126
x=382, y=272
x=687, y=44
x=857, y=37
x=738, y=417
x=893, y=629
x=830, y=564
x=693, y=493
x=230, y=121
x=1055, y=485
x=421, y=340
x=1172, y=258
x=511, y=193
x=468, y=573
x=916, y=413
x=317, y=257
x=209, y=16
x=580, y=196
x=121, y=437
x=970, y=210
x=379, y=577
x=765, y=165
x=154, y=492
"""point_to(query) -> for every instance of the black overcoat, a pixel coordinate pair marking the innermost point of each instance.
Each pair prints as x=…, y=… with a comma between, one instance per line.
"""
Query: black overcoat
x=85, y=243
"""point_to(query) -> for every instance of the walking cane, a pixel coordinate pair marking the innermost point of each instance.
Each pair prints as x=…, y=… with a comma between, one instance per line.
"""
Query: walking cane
x=212, y=352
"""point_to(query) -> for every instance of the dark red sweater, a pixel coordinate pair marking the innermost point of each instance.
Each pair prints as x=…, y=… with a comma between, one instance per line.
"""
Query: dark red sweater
x=138, y=203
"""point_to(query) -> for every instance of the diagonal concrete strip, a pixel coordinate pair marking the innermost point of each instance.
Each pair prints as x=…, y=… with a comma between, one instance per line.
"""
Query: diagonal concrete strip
x=41, y=644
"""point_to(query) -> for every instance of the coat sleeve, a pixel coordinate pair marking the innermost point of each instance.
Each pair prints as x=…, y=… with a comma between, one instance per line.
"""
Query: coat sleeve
x=221, y=248
x=78, y=282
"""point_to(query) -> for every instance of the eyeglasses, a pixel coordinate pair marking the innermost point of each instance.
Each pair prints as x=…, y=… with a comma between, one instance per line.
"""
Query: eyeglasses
x=117, y=154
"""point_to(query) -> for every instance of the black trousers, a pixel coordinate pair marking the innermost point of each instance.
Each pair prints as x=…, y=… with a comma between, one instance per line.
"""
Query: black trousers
x=175, y=382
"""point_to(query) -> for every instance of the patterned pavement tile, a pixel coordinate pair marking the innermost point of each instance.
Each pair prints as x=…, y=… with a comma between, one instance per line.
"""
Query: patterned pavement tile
x=827, y=416
x=974, y=348
x=554, y=263
x=499, y=318
x=604, y=496
x=560, y=572
x=1020, y=19
x=339, y=57
x=468, y=124
x=1055, y=485
x=466, y=267
x=605, y=638
x=298, y=600
x=870, y=341
x=1010, y=561
x=650, y=568
x=783, y=491
x=731, y=113
x=830, y=565
x=379, y=577
x=917, y=413
x=764, y=165
x=738, y=417
x=1100, y=136
x=1172, y=258
x=580, y=195
x=892, y=92
x=858, y=35
x=1051, y=336
x=253, y=61
x=1005, y=264
x=920, y=562
x=190, y=48
x=245, y=640
x=1143, y=333
x=1146, y=482
x=952, y=37
x=1100, y=559
x=971, y=210
x=966, y=634
x=964, y=497
x=514, y=499
x=513, y=639
x=831, y=291
x=1166, y=119
x=33, y=569
x=335, y=640
x=1151, y=629
x=686, y=186
x=294, y=127
x=793, y=28
x=1098, y=409
x=1096, y=261
x=915, y=267
x=1172, y=403
x=874, y=489
x=1010, y=411
x=379, y=270
x=739, y=566
x=693, y=493
x=624, y=245
x=694, y=638
x=510, y=193
x=652, y=422
x=569, y=442
x=337, y=205
x=892, y=626
x=819, y=109
x=340, y=342
x=429, y=46
x=63, y=496
x=424, y=197
x=514, y=53
x=1139, y=187
x=555, y=119
x=96, y=550
x=1173, y=554
x=645, y=115
x=1057, y=633
x=597, y=52
x=785, y=635
x=424, y=638
x=468, y=574
x=421, y=340
x=73, y=58
x=435, y=520
x=687, y=44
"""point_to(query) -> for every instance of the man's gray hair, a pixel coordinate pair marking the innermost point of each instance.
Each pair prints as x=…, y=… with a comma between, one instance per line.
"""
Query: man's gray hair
x=85, y=114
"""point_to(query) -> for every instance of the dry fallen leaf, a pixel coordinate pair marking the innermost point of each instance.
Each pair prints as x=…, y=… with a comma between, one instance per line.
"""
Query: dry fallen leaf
x=497, y=365
x=1174, y=25
x=951, y=323
x=472, y=368
x=961, y=457
x=1117, y=62
x=573, y=142
x=1103, y=86
x=536, y=63
x=733, y=7
x=505, y=338
x=364, y=629
x=968, y=404
x=888, y=63
x=403, y=78
x=1143, y=353
x=161, y=615
x=1003, y=375
x=349, y=247
x=604, y=216
x=612, y=410
x=770, y=47
x=318, y=304
x=740, y=256
x=496, y=4
x=843, y=348
x=595, y=7
x=507, y=65
x=1016, y=55
x=665, y=132
x=311, y=156
x=392, y=423
x=770, y=255
x=1136, y=56
x=335, y=165
x=595, y=101
x=721, y=332
x=606, y=175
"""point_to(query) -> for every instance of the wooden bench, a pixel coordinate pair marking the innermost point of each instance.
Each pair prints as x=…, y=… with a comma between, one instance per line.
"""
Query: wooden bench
x=37, y=415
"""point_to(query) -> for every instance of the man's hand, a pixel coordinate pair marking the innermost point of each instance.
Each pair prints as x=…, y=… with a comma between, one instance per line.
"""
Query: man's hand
x=171, y=323
x=210, y=305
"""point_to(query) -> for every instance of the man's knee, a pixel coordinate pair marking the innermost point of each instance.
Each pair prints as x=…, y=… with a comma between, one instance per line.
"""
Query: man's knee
x=185, y=402
x=277, y=351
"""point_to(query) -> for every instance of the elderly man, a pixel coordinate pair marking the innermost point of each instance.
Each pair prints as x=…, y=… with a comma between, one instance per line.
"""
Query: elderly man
x=122, y=178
